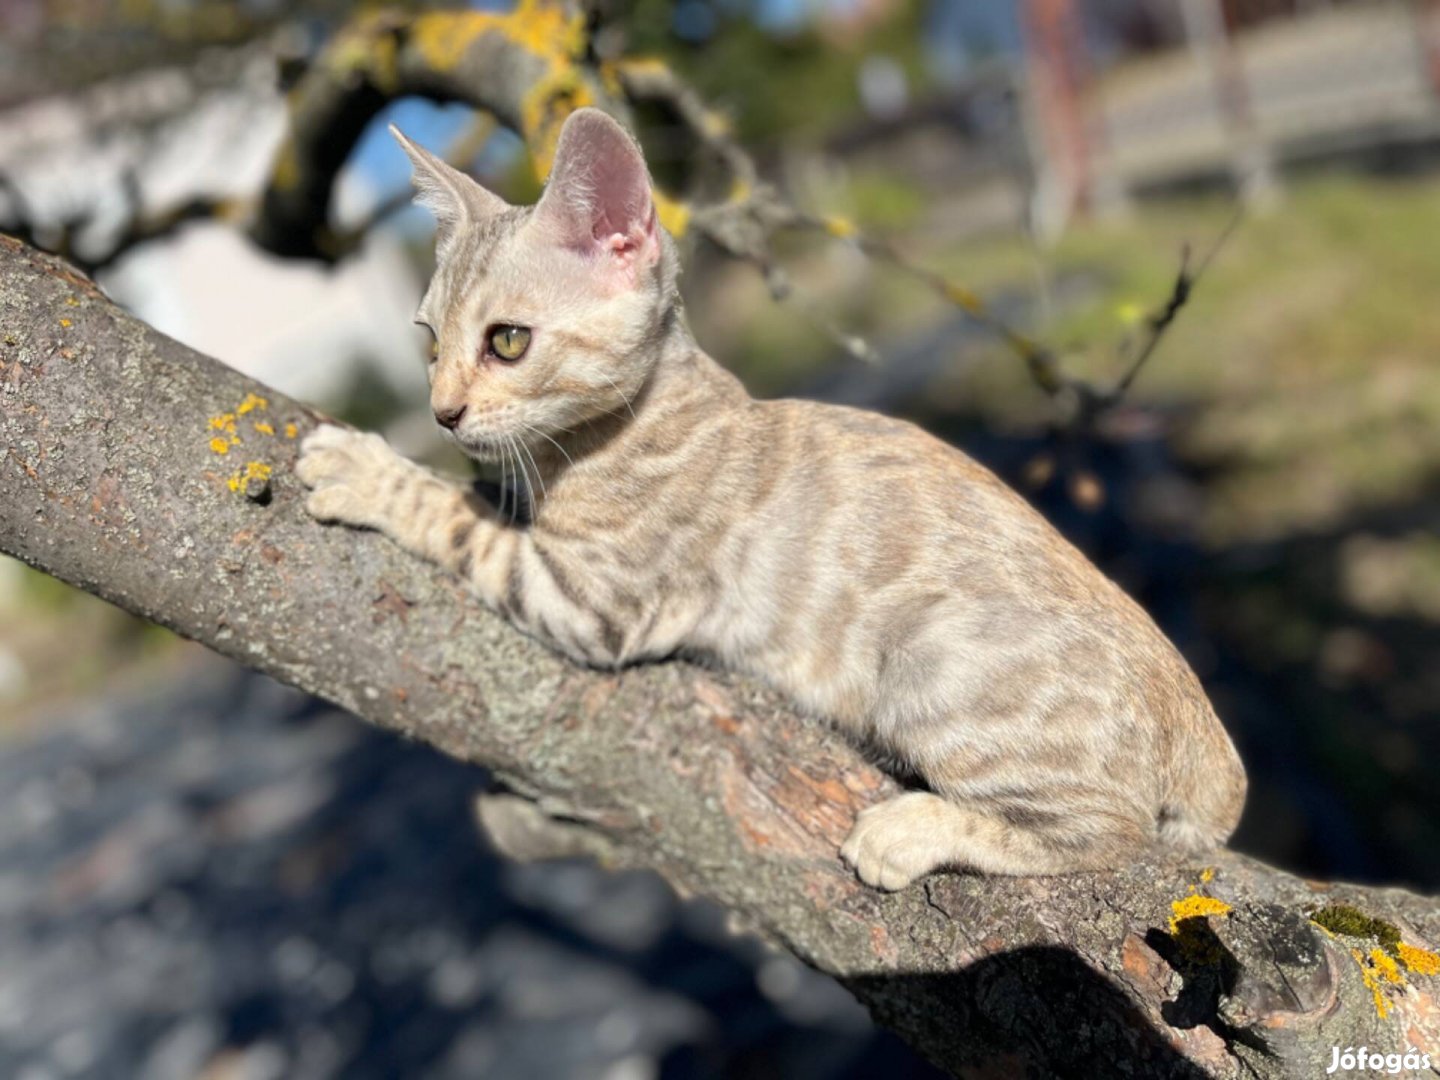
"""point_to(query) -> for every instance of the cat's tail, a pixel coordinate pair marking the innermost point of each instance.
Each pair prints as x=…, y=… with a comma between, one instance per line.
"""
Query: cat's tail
x=1207, y=790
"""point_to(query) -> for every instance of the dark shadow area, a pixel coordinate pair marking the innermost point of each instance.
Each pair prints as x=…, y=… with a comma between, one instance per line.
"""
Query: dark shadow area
x=1341, y=696
x=1031, y=1012
x=1209, y=971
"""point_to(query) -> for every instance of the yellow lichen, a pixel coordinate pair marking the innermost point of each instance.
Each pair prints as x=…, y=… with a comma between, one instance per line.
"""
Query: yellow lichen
x=610, y=78
x=1195, y=907
x=538, y=26
x=1196, y=941
x=253, y=470
x=1129, y=313
x=223, y=422
x=1420, y=961
x=219, y=446
x=442, y=37
x=1207, y=875
x=65, y=324
x=652, y=66
x=542, y=27
x=385, y=65
x=264, y=428
x=545, y=106
x=674, y=215
x=840, y=227
x=70, y=301
x=1382, y=1007
x=959, y=294
x=251, y=403
x=1377, y=971
x=291, y=431
x=716, y=124
x=1386, y=967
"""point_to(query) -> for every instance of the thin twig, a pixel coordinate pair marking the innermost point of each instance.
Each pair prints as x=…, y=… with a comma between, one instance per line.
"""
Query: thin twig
x=1083, y=401
x=1161, y=319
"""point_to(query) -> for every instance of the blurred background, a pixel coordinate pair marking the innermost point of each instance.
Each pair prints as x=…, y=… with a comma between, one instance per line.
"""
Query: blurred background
x=203, y=874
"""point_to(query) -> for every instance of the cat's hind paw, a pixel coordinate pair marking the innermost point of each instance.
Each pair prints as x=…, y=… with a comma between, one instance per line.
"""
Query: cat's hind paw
x=902, y=839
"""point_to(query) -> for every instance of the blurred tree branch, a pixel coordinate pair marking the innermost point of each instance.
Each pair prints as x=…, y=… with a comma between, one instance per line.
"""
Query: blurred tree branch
x=77, y=45
x=528, y=69
x=113, y=478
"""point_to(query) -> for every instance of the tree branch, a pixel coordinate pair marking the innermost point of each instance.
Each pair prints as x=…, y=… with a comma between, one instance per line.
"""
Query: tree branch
x=527, y=68
x=157, y=478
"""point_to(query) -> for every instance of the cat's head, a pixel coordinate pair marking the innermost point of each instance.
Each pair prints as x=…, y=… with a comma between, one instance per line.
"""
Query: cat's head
x=545, y=317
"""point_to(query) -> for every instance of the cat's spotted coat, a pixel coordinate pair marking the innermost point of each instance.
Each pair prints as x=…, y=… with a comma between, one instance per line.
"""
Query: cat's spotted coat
x=876, y=575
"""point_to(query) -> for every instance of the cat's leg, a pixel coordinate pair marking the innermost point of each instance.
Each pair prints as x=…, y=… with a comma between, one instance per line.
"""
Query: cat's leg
x=914, y=834
x=357, y=479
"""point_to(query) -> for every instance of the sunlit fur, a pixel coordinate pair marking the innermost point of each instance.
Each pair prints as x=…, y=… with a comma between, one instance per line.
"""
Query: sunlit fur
x=589, y=353
x=877, y=576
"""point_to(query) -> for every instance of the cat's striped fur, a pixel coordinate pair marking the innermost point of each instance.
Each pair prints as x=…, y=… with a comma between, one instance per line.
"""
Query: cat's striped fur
x=876, y=575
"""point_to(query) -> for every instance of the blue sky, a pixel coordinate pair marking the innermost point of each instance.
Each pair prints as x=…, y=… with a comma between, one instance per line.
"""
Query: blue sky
x=380, y=159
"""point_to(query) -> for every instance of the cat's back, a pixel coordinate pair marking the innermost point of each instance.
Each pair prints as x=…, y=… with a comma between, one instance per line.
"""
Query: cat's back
x=926, y=500
x=918, y=519
x=953, y=557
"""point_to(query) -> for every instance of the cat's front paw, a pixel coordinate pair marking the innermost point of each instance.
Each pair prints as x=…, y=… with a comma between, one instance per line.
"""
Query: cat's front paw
x=351, y=473
x=900, y=840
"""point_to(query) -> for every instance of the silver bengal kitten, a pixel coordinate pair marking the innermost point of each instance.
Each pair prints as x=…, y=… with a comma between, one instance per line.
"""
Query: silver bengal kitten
x=877, y=576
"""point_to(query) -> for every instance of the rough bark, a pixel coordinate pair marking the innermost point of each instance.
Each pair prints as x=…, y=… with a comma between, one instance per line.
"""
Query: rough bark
x=108, y=480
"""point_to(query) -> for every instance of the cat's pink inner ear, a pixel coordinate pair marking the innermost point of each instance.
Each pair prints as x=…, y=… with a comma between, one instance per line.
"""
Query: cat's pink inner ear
x=598, y=199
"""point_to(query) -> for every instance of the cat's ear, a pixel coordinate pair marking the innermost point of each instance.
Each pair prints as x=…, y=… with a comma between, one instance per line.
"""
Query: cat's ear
x=454, y=198
x=598, y=201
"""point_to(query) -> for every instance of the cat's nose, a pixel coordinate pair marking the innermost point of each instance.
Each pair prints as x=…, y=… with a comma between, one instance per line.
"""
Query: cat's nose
x=449, y=418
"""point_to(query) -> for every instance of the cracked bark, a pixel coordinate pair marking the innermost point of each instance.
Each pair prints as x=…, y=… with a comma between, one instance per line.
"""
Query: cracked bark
x=108, y=481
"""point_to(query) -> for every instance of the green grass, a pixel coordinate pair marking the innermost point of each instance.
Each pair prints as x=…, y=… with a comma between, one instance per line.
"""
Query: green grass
x=1307, y=364
x=1310, y=354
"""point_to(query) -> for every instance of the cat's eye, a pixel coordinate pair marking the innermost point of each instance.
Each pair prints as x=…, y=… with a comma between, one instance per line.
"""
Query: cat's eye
x=509, y=343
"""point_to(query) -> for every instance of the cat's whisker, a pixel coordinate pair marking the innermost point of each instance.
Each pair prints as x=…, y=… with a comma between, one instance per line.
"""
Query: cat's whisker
x=617, y=389
x=520, y=454
x=552, y=442
x=517, y=468
x=500, y=497
x=512, y=490
x=539, y=475
x=514, y=496
x=603, y=413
